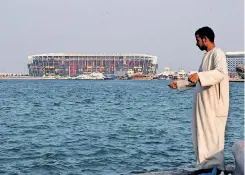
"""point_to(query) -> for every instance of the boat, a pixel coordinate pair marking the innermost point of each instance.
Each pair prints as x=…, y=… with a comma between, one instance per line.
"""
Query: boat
x=181, y=75
x=110, y=77
x=141, y=76
x=49, y=77
x=166, y=74
x=97, y=76
x=91, y=76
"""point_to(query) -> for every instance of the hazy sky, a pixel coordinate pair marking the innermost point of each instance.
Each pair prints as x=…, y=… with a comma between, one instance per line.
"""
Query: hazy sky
x=164, y=28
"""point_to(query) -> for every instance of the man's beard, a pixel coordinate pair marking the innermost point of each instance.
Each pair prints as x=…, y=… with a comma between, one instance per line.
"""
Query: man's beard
x=202, y=48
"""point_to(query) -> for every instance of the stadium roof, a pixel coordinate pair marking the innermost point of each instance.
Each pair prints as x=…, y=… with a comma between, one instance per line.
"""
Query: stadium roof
x=92, y=54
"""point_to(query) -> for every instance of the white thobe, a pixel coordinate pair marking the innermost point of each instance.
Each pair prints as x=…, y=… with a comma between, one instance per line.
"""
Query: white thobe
x=210, y=110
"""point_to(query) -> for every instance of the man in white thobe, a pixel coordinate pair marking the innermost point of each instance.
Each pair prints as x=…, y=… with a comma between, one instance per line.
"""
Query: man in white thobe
x=211, y=103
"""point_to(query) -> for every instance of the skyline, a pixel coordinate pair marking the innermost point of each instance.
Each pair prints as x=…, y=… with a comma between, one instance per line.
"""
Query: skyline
x=116, y=54
x=161, y=28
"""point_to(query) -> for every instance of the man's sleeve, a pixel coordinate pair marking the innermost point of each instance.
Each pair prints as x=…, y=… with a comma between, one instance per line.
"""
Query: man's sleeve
x=215, y=76
x=184, y=84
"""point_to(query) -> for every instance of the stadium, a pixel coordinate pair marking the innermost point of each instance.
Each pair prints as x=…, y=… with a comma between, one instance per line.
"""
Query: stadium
x=75, y=64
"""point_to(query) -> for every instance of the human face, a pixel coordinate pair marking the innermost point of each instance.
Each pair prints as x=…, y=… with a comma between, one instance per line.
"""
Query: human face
x=201, y=43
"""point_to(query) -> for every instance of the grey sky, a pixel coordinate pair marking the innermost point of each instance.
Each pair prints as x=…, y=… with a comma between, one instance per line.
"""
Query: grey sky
x=158, y=27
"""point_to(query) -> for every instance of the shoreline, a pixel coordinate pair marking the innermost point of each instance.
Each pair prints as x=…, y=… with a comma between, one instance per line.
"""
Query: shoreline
x=236, y=80
x=41, y=78
x=21, y=78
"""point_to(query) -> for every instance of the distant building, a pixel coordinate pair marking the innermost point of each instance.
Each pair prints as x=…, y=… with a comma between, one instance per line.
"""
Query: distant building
x=233, y=60
x=75, y=64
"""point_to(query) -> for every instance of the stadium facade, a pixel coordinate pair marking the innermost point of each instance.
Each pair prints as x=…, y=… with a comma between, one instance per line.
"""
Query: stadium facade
x=234, y=59
x=76, y=64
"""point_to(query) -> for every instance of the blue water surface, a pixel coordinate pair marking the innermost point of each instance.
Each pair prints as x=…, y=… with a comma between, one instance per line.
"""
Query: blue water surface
x=101, y=127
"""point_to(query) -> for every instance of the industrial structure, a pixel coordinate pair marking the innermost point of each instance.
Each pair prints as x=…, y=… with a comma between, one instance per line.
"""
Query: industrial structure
x=234, y=59
x=75, y=64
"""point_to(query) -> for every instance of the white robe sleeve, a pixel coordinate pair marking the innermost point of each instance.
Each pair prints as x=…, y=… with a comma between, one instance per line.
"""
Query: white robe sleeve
x=184, y=84
x=215, y=76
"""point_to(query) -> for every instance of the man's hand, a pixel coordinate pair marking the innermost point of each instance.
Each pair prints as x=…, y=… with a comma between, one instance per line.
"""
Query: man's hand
x=173, y=85
x=193, y=78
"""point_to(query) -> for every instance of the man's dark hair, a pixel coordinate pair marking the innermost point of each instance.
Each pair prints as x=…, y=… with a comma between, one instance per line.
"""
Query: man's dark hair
x=206, y=31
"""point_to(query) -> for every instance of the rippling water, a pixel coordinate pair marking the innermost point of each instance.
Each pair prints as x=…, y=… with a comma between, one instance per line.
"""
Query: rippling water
x=101, y=127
